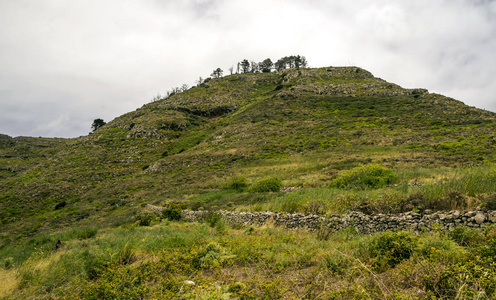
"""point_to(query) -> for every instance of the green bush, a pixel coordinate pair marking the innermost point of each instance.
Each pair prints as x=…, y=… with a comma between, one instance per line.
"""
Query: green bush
x=238, y=183
x=236, y=287
x=212, y=256
x=337, y=264
x=173, y=212
x=365, y=177
x=220, y=226
x=466, y=237
x=391, y=248
x=271, y=184
x=489, y=247
x=437, y=247
x=146, y=220
x=472, y=279
x=489, y=201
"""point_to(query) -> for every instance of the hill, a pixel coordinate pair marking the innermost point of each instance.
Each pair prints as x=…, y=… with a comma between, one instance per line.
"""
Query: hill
x=74, y=222
x=303, y=126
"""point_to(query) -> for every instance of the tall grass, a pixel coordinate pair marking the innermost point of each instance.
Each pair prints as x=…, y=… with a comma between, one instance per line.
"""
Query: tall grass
x=470, y=182
x=417, y=188
x=316, y=200
x=47, y=243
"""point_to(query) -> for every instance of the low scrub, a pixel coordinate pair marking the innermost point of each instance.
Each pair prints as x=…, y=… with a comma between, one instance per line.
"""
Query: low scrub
x=176, y=260
x=146, y=220
x=271, y=184
x=365, y=177
x=173, y=212
x=391, y=248
x=238, y=183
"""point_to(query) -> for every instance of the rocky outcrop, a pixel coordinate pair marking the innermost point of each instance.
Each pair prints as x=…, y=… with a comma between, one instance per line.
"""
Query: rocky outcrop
x=425, y=221
x=354, y=90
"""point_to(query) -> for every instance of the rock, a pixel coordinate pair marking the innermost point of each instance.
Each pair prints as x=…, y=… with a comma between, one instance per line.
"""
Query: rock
x=189, y=282
x=479, y=218
x=492, y=217
x=470, y=214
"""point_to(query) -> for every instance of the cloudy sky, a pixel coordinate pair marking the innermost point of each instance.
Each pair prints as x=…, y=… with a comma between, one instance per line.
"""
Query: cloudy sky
x=65, y=63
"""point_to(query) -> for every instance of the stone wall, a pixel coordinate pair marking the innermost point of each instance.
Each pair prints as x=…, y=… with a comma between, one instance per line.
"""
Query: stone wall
x=363, y=223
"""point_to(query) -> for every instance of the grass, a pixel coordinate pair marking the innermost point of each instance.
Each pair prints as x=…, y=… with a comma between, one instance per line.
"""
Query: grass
x=470, y=182
x=9, y=282
x=420, y=188
x=255, y=263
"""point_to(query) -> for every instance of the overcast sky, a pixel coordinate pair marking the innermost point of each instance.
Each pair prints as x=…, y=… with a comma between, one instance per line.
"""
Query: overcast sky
x=65, y=63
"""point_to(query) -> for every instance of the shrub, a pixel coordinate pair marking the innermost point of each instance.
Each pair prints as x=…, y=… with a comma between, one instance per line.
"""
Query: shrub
x=212, y=256
x=220, y=226
x=324, y=231
x=391, y=248
x=438, y=247
x=126, y=255
x=146, y=220
x=489, y=247
x=337, y=264
x=448, y=200
x=367, y=176
x=271, y=184
x=236, y=287
x=467, y=280
x=453, y=200
x=466, y=237
x=238, y=183
x=489, y=201
x=173, y=212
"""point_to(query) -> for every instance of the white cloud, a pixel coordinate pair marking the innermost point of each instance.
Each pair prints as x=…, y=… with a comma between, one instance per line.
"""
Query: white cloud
x=65, y=63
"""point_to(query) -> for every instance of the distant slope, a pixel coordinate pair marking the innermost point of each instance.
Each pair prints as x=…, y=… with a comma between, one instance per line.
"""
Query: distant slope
x=302, y=125
x=22, y=153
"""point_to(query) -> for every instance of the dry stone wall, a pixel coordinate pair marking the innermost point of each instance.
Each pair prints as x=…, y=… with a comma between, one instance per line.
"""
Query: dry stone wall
x=425, y=221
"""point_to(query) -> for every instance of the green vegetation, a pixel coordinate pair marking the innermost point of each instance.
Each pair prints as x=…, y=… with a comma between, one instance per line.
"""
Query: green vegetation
x=238, y=183
x=266, y=185
x=196, y=261
x=323, y=141
x=97, y=123
x=363, y=177
x=391, y=248
x=173, y=212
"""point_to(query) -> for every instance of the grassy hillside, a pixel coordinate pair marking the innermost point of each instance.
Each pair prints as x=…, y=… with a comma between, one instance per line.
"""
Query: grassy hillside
x=303, y=126
x=329, y=140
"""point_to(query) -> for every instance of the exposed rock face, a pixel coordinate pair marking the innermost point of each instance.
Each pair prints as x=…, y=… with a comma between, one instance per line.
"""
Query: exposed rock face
x=361, y=222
